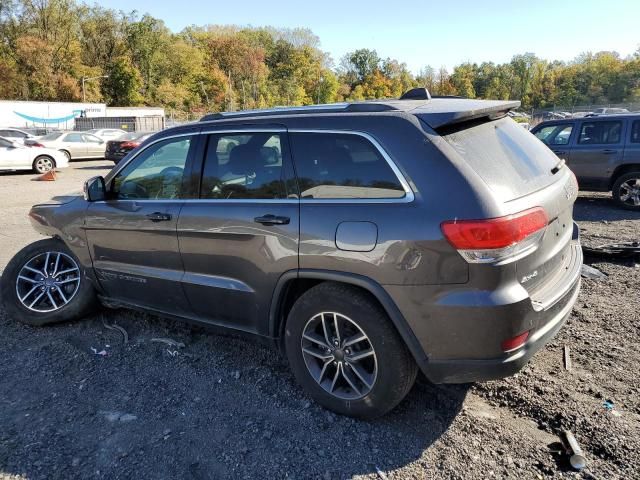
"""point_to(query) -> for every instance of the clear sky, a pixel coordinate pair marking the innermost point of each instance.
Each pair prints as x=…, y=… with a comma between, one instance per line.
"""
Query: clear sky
x=445, y=32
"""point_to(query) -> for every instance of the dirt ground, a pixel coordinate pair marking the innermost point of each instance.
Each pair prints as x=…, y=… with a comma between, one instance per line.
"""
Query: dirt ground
x=226, y=407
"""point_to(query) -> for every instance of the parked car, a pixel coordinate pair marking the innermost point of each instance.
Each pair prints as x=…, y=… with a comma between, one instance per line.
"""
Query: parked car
x=603, y=152
x=16, y=135
x=73, y=145
x=118, y=148
x=607, y=111
x=107, y=134
x=366, y=240
x=15, y=156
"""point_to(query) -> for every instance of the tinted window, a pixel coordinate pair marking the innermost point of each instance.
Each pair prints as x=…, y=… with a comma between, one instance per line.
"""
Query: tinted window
x=333, y=165
x=50, y=137
x=156, y=173
x=243, y=166
x=5, y=144
x=597, y=133
x=74, y=137
x=555, y=134
x=635, y=132
x=91, y=139
x=12, y=134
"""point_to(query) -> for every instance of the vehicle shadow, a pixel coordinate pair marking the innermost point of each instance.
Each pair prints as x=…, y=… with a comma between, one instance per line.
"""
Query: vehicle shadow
x=95, y=167
x=598, y=207
x=221, y=407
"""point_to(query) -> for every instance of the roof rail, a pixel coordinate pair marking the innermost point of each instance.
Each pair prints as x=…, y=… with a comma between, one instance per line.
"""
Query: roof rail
x=324, y=108
x=419, y=93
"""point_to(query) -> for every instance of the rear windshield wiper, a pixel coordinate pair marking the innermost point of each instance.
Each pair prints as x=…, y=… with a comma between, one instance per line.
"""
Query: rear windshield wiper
x=558, y=166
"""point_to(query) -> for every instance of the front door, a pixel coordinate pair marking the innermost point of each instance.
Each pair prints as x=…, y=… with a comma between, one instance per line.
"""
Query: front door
x=597, y=151
x=242, y=234
x=132, y=235
x=74, y=144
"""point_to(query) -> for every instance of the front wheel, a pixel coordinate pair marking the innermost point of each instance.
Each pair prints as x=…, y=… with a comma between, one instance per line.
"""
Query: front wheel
x=44, y=283
x=626, y=190
x=345, y=352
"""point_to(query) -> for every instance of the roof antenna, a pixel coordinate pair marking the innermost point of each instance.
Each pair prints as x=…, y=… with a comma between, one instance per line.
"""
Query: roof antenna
x=419, y=93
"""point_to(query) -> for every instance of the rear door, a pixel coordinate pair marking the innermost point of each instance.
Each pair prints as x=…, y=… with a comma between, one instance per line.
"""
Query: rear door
x=132, y=235
x=241, y=235
x=597, y=150
x=632, y=147
x=12, y=157
x=74, y=143
x=95, y=146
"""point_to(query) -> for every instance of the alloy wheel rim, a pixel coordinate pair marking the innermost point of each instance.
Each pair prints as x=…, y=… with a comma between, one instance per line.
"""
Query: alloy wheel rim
x=44, y=164
x=339, y=356
x=48, y=282
x=630, y=192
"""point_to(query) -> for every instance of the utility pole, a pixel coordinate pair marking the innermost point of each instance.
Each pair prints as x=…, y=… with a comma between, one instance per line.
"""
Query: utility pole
x=88, y=79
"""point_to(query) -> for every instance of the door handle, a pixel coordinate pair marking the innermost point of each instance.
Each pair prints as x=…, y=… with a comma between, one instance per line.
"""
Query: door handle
x=609, y=151
x=272, y=220
x=559, y=152
x=159, y=217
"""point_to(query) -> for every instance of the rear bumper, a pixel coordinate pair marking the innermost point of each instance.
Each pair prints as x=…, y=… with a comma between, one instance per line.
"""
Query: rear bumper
x=115, y=156
x=463, y=371
x=461, y=329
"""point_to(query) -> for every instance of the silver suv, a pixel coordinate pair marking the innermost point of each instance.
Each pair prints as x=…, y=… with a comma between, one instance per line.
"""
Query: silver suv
x=366, y=240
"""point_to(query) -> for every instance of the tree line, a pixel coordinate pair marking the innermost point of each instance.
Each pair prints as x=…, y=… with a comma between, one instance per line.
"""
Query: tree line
x=48, y=46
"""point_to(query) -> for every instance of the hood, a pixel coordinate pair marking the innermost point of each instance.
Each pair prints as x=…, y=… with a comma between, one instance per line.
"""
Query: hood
x=62, y=199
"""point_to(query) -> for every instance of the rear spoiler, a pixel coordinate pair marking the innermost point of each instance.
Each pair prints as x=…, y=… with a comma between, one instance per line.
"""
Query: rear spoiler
x=441, y=112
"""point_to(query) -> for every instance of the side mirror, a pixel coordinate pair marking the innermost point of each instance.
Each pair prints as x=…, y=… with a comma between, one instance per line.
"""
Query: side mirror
x=95, y=189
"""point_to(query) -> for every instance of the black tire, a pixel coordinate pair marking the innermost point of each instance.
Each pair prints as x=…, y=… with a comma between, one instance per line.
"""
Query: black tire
x=66, y=154
x=43, y=164
x=81, y=302
x=621, y=187
x=396, y=369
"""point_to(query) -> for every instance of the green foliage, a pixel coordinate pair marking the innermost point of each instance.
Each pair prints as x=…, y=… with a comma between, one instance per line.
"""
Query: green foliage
x=48, y=46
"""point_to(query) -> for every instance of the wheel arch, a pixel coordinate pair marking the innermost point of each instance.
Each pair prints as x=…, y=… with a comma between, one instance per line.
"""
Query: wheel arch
x=293, y=284
x=622, y=170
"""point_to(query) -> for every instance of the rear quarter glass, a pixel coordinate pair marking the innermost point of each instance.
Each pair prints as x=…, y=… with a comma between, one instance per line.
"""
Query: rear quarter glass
x=510, y=160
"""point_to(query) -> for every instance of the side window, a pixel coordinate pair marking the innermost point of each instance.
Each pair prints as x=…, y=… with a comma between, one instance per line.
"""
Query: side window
x=5, y=144
x=91, y=138
x=74, y=137
x=635, y=132
x=598, y=133
x=156, y=174
x=243, y=166
x=555, y=134
x=341, y=166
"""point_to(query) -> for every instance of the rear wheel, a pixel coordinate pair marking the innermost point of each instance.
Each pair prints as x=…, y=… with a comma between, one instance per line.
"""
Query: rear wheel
x=626, y=190
x=43, y=164
x=345, y=352
x=44, y=283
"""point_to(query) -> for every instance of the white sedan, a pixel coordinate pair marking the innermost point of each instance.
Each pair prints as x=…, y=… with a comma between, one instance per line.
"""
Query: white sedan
x=107, y=133
x=14, y=156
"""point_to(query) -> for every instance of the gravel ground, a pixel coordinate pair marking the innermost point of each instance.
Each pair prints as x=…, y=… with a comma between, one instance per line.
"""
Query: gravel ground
x=226, y=407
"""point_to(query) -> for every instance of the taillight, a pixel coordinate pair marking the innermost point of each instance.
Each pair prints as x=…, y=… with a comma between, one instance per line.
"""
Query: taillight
x=511, y=344
x=499, y=239
x=129, y=145
x=36, y=144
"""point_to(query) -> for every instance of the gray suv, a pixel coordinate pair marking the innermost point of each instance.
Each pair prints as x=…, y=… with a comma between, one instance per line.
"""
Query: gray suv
x=366, y=240
x=603, y=152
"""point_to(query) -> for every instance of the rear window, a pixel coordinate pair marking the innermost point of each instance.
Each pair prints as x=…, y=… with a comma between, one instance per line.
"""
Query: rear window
x=600, y=133
x=342, y=166
x=509, y=159
x=51, y=136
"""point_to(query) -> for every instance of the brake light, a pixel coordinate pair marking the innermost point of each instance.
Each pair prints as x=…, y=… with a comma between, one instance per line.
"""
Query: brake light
x=36, y=144
x=511, y=344
x=497, y=239
x=129, y=144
